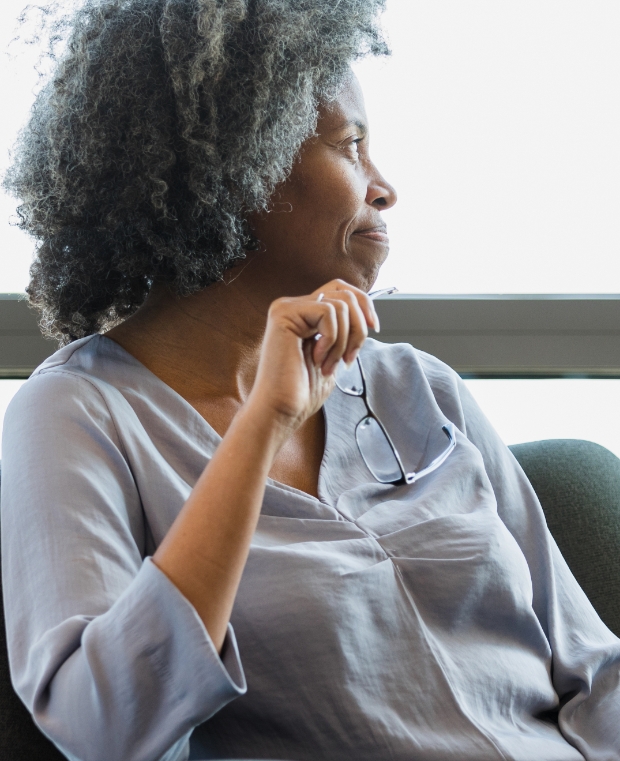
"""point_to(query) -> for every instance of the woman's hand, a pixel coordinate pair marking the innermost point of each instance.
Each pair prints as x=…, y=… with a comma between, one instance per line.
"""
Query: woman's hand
x=305, y=338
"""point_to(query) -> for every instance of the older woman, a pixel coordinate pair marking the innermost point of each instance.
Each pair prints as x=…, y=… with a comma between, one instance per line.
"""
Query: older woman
x=198, y=175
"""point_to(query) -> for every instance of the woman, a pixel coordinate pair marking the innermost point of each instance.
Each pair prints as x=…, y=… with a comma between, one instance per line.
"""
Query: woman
x=198, y=175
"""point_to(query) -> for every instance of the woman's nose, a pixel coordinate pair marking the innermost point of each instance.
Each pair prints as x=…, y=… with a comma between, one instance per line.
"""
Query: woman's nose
x=380, y=193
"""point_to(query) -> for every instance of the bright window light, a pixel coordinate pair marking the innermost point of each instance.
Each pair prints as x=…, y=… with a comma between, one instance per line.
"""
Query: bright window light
x=17, y=82
x=497, y=122
x=499, y=125
x=8, y=389
x=531, y=410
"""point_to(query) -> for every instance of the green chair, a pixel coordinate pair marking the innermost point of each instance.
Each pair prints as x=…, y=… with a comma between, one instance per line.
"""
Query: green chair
x=578, y=484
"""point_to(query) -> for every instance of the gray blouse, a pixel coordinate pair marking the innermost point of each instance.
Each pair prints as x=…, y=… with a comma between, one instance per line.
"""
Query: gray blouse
x=435, y=621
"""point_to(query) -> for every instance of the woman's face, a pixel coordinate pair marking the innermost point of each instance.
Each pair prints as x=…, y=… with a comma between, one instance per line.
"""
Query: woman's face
x=325, y=220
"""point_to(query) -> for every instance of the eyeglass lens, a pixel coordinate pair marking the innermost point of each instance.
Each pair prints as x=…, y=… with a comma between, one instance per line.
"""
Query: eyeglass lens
x=377, y=452
x=349, y=379
x=371, y=439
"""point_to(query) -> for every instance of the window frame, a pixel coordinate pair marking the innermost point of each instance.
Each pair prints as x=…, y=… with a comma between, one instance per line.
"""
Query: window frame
x=480, y=336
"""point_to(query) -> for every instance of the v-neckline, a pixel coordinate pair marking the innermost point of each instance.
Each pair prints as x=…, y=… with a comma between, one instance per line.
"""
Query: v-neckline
x=213, y=437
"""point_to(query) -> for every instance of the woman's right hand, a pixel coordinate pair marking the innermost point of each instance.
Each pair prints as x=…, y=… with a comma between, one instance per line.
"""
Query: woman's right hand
x=296, y=369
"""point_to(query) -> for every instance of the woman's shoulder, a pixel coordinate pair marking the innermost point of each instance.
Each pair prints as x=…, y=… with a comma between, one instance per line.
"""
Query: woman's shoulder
x=66, y=388
x=403, y=359
x=403, y=366
x=400, y=356
x=62, y=434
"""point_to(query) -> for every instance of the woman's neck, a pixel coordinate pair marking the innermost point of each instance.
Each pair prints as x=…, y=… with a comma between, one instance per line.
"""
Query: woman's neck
x=204, y=346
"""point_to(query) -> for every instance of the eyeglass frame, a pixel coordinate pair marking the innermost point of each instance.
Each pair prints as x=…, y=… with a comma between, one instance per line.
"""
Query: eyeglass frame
x=405, y=478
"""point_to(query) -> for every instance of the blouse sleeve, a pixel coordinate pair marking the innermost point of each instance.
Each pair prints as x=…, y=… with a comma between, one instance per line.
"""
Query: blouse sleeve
x=586, y=655
x=110, y=658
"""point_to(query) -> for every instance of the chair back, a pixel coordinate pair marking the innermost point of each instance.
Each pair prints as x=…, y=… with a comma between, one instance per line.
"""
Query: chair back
x=578, y=485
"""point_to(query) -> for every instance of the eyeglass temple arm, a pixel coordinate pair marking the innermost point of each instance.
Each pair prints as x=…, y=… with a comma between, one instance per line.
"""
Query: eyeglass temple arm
x=372, y=295
x=450, y=432
x=382, y=292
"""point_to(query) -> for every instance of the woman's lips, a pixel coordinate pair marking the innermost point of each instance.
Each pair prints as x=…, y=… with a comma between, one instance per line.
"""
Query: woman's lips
x=375, y=233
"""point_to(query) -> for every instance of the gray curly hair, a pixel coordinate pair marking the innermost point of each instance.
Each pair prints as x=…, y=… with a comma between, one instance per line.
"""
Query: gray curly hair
x=164, y=124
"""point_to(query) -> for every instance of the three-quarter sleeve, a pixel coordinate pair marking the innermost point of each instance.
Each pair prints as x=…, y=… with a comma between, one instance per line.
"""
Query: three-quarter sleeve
x=586, y=655
x=111, y=659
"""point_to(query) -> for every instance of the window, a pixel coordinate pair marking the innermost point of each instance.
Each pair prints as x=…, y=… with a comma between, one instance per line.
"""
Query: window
x=8, y=389
x=18, y=79
x=531, y=410
x=499, y=125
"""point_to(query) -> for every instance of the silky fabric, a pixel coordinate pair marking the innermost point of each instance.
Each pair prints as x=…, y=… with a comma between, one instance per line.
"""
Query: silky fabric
x=431, y=622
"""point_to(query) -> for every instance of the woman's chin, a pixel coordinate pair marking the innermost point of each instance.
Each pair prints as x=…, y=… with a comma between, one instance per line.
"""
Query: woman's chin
x=364, y=269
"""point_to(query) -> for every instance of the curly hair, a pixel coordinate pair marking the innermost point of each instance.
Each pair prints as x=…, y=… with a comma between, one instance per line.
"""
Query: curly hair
x=163, y=125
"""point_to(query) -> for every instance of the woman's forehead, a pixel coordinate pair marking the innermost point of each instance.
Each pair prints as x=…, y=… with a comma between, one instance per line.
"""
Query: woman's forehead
x=346, y=110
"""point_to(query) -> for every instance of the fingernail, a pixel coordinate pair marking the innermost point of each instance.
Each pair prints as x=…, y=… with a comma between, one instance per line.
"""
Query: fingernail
x=349, y=362
x=327, y=369
x=377, y=323
x=321, y=297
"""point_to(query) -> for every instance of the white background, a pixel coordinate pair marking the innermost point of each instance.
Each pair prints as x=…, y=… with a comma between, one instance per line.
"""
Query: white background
x=18, y=79
x=498, y=121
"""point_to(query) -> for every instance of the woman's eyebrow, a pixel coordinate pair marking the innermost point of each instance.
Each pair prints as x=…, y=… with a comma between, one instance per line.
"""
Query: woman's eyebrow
x=354, y=123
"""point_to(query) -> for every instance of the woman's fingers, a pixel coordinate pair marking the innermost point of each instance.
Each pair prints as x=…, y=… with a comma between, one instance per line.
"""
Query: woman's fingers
x=327, y=331
x=308, y=318
x=339, y=342
x=358, y=326
x=337, y=288
x=352, y=330
x=359, y=320
x=337, y=317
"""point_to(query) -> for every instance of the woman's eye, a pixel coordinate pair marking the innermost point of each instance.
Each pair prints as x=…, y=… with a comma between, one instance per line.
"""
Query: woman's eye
x=353, y=146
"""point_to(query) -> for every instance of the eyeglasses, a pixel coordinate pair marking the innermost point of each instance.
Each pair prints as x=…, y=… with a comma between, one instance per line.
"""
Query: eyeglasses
x=374, y=444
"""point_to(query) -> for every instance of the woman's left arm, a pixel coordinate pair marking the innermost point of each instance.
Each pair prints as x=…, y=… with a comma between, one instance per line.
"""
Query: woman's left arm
x=586, y=655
